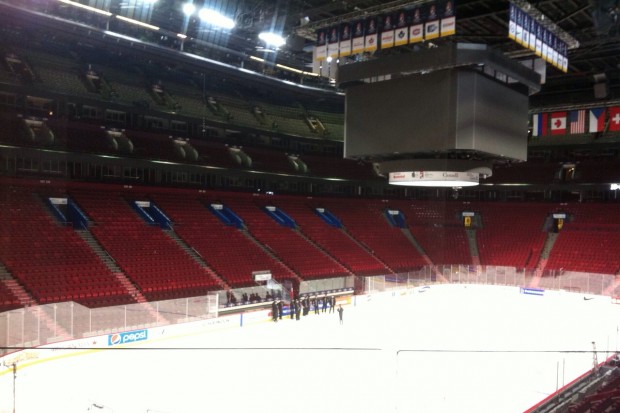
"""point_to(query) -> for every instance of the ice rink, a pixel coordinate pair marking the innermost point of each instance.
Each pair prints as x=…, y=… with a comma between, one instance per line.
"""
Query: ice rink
x=446, y=349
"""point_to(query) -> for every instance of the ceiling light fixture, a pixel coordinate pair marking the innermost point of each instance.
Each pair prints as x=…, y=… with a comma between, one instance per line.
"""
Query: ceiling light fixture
x=85, y=7
x=137, y=22
x=216, y=19
x=272, y=39
x=188, y=9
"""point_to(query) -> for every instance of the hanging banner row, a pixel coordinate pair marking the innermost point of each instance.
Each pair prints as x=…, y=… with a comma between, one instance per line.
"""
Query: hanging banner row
x=523, y=29
x=425, y=22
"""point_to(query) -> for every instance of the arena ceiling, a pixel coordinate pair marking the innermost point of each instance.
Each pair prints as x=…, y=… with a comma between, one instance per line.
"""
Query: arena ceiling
x=593, y=23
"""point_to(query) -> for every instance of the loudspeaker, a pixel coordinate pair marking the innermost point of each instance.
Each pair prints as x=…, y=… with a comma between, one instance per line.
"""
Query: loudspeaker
x=601, y=90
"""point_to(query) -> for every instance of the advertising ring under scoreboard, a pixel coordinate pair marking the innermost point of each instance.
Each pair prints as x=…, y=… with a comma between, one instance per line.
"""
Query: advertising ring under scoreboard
x=434, y=178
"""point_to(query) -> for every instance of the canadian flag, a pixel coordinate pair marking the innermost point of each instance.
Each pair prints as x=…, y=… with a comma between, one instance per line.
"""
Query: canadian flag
x=558, y=123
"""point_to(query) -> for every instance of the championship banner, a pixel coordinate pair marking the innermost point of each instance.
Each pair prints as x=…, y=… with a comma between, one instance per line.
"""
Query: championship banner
x=332, y=42
x=531, y=34
x=358, y=37
x=401, y=33
x=416, y=30
x=370, y=38
x=545, y=45
x=512, y=22
x=518, y=25
x=431, y=27
x=547, y=41
x=564, y=48
x=524, y=40
x=387, y=32
x=321, y=45
x=525, y=37
x=402, y=27
x=532, y=31
x=448, y=20
x=345, y=39
x=539, y=43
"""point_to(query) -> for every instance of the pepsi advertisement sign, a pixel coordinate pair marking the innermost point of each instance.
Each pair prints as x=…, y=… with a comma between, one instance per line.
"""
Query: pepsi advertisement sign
x=128, y=337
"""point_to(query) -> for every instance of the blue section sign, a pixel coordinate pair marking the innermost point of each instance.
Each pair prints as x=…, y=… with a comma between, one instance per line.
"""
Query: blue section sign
x=532, y=291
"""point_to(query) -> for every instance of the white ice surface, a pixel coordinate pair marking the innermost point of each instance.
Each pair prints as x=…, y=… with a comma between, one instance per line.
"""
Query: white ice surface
x=450, y=349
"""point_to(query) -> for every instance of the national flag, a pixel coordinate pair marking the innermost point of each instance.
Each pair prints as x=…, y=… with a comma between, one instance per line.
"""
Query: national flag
x=597, y=120
x=614, y=119
x=539, y=124
x=558, y=123
x=577, y=119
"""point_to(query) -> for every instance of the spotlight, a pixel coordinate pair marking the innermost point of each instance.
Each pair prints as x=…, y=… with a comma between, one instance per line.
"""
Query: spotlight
x=216, y=19
x=272, y=39
x=189, y=9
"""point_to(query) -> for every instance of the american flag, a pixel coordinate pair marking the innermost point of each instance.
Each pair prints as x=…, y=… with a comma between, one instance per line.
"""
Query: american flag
x=577, y=120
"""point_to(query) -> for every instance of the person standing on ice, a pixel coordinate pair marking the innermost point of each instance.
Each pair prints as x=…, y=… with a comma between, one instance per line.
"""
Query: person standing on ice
x=274, y=311
x=340, y=311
